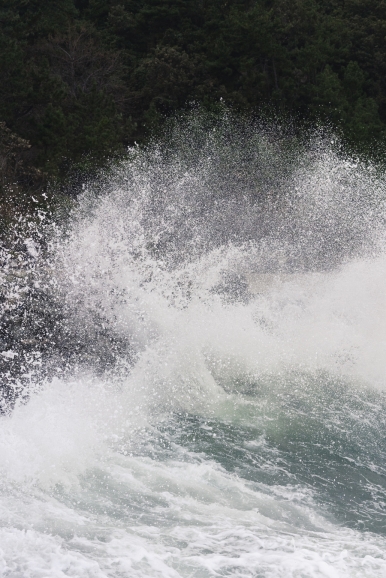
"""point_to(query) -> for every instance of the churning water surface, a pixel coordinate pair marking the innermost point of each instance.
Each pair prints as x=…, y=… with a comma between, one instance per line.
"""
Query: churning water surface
x=202, y=392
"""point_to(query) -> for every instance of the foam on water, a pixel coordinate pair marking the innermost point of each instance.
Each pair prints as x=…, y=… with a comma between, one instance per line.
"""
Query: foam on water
x=236, y=426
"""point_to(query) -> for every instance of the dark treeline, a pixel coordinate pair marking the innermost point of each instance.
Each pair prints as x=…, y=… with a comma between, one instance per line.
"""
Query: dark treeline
x=82, y=79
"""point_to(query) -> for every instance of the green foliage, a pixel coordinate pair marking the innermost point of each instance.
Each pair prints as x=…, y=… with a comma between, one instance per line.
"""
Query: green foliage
x=82, y=79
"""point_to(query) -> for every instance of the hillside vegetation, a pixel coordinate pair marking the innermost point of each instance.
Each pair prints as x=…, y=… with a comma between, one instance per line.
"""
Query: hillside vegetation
x=82, y=79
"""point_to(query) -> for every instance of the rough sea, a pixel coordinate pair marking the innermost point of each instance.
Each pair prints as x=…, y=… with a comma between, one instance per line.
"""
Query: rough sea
x=194, y=374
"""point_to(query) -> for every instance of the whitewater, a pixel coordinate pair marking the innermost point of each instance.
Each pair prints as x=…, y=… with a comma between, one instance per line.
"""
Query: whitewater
x=194, y=377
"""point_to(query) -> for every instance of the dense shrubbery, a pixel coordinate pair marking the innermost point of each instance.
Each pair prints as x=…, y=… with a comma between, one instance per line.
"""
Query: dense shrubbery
x=81, y=79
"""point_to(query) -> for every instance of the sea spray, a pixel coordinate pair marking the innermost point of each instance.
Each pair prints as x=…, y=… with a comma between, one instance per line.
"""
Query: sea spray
x=194, y=372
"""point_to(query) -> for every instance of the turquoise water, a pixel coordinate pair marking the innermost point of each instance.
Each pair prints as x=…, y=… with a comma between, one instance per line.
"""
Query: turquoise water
x=275, y=485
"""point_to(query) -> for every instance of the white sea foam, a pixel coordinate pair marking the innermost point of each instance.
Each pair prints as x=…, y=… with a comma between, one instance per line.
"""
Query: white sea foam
x=204, y=523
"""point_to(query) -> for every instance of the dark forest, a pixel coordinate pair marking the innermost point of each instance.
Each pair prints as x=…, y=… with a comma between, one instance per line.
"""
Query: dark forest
x=83, y=79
